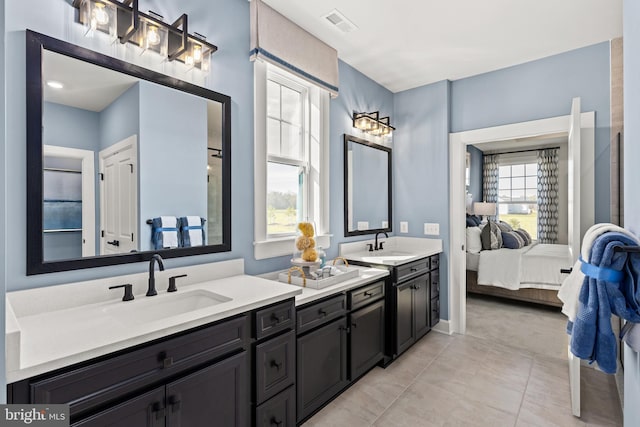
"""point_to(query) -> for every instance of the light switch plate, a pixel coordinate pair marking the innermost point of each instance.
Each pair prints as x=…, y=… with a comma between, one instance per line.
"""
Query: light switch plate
x=404, y=227
x=432, y=229
x=363, y=225
x=385, y=224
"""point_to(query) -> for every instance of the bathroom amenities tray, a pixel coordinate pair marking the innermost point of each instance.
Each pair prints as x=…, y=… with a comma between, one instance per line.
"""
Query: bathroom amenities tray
x=296, y=279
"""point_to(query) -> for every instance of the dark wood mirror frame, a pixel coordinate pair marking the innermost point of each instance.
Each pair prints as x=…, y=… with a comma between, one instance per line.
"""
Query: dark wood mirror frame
x=347, y=232
x=35, y=44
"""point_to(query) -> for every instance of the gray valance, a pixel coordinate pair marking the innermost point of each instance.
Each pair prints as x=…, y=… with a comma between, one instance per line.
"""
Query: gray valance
x=277, y=40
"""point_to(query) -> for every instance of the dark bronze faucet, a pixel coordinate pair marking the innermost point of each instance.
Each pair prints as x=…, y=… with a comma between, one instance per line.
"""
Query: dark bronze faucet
x=152, y=280
x=376, y=247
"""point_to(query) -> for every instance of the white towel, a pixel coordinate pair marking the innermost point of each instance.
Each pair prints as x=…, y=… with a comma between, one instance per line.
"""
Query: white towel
x=570, y=289
x=169, y=238
x=195, y=235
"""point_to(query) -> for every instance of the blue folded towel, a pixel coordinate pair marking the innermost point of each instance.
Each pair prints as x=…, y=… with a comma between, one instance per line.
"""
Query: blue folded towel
x=605, y=292
x=191, y=231
x=164, y=232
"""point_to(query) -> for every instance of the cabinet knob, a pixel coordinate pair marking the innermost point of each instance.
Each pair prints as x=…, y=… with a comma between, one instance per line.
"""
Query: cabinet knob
x=167, y=361
x=158, y=409
x=274, y=422
x=276, y=365
x=175, y=403
x=275, y=319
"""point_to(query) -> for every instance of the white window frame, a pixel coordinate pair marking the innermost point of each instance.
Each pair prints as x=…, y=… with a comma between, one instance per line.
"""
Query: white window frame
x=316, y=131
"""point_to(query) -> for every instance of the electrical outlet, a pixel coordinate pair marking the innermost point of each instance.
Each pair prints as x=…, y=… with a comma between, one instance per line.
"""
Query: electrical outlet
x=404, y=227
x=363, y=225
x=385, y=224
x=432, y=229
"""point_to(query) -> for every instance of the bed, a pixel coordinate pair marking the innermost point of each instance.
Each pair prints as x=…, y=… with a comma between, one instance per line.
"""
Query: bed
x=531, y=273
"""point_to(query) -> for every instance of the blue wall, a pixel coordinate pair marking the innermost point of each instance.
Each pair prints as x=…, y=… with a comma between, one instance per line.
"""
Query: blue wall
x=421, y=152
x=542, y=89
x=631, y=38
x=173, y=144
x=121, y=118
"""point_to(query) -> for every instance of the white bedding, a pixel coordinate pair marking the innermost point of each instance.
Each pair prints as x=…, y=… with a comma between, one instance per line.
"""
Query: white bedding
x=536, y=266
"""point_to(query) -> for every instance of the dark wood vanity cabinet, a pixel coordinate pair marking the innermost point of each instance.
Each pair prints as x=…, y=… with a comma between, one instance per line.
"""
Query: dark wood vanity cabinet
x=209, y=375
x=339, y=339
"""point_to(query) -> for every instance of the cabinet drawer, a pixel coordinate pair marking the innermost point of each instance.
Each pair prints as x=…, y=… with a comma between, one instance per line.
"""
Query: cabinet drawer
x=275, y=318
x=435, y=262
x=435, y=284
x=365, y=295
x=275, y=366
x=101, y=382
x=435, y=311
x=412, y=269
x=279, y=411
x=320, y=313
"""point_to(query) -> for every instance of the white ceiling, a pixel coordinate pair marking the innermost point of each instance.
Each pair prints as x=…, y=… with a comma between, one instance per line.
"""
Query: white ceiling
x=403, y=44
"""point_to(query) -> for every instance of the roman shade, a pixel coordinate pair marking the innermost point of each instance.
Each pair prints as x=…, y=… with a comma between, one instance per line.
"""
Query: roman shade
x=277, y=40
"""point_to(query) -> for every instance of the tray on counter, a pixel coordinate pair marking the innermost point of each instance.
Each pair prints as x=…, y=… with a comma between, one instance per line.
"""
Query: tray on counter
x=319, y=283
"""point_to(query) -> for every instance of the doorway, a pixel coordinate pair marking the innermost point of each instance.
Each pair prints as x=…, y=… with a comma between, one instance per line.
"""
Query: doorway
x=457, y=163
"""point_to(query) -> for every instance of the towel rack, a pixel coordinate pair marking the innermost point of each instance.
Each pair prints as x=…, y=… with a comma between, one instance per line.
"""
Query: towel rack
x=629, y=249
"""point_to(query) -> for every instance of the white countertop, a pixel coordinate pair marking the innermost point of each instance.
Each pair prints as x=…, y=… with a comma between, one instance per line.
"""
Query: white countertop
x=397, y=250
x=44, y=336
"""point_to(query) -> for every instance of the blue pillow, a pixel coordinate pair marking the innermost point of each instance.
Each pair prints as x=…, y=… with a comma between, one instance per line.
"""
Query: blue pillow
x=471, y=222
x=512, y=240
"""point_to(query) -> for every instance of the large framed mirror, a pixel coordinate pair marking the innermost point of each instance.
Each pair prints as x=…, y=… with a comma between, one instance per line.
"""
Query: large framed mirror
x=119, y=157
x=367, y=187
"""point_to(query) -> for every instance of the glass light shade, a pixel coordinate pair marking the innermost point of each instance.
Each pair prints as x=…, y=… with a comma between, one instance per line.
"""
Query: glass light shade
x=153, y=37
x=99, y=15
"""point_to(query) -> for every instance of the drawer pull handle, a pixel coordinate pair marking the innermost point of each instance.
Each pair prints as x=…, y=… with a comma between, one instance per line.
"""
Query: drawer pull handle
x=276, y=365
x=346, y=329
x=275, y=319
x=354, y=324
x=368, y=294
x=413, y=269
x=275, y=422
x=167, y=361
x=322, y=313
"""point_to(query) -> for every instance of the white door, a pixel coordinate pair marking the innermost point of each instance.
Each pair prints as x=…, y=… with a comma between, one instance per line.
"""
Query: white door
x=573, y=170
x=119, y=197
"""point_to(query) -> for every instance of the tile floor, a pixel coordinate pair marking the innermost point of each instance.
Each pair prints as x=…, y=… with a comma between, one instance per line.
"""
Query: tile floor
x=495, y=376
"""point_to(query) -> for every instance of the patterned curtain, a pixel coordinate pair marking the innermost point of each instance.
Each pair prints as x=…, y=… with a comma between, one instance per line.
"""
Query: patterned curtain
x=490, y=179
x=548, y=195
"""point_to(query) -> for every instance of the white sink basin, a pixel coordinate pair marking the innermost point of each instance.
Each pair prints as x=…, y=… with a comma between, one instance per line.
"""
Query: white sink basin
x=385, y=257
x=149, y=309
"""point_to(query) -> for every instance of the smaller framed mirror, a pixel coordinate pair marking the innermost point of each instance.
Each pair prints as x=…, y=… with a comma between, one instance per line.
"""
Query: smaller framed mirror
x=367, y=187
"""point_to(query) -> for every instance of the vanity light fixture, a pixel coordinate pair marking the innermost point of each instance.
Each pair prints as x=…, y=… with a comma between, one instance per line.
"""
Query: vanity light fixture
x=372, y=123
x=122, y=20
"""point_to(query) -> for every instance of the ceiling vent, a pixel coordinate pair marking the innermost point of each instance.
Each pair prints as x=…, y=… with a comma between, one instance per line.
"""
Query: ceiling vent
x=339, y=21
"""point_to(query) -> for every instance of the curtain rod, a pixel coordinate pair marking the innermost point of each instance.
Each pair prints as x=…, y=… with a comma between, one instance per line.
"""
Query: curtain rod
x=523, y=151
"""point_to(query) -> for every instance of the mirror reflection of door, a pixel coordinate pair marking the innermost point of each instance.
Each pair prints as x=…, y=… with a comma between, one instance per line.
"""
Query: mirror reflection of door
x=118, y=197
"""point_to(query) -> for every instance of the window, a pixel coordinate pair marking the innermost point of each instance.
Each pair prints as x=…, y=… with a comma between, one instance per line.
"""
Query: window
x=291, y=159
x=517, y=196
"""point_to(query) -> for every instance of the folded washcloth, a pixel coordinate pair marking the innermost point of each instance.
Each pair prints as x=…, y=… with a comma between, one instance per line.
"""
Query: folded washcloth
x=610, y=286
x=164, y=232
x=570, y=288
x=192, y=231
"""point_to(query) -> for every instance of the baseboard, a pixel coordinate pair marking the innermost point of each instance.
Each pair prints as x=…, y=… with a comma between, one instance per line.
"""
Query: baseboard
x=443, y=327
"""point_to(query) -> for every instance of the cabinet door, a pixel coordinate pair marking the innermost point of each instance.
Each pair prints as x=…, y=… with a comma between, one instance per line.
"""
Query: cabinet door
x=215, y=395
x=421, y=296
x=404, y=317
x=146, y=410
x=322, y=366
x=366, y=341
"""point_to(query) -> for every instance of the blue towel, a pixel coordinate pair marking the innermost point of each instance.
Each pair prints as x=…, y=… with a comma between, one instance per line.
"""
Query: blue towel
x=191, y=231
x=164, y=232
x=605, y=292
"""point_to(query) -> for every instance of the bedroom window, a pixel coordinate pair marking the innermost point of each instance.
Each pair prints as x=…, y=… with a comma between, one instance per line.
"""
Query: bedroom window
x=517, y=196
x=290, y=161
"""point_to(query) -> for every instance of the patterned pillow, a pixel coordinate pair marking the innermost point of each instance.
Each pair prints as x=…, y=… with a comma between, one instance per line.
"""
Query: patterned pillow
x=491, y=236
x=525, y=236
x=512, y=240
x=504, y=227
